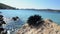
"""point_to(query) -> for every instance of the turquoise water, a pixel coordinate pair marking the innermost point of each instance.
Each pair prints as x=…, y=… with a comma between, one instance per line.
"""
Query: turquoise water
x=24, y=14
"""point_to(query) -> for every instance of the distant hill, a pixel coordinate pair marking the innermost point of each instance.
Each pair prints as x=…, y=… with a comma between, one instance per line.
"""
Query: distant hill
x=49, y=10
x=3, y=6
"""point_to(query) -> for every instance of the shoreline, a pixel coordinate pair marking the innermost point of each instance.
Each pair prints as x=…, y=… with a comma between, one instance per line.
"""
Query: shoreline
x=38, y=10
x=47, y=29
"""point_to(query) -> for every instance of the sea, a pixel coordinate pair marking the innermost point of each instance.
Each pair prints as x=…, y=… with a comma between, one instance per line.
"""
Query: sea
x=24, y=15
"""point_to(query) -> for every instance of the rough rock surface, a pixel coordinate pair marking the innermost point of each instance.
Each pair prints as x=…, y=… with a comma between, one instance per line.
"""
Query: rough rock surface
x=49, y=27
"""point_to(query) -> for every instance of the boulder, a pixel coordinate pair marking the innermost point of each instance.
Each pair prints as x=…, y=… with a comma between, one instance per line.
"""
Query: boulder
x=49, y=27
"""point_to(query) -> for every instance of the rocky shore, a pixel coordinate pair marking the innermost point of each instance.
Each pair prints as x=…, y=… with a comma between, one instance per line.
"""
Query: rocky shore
x=49, y=27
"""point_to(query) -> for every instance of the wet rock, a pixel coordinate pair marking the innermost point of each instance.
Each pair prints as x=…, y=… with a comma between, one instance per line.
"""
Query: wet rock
x=15, y=18
x=1, y=30
x=1, y=16
x=1, y=23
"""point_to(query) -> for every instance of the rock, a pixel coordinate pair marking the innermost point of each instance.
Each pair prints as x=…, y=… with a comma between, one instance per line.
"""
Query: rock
x=15, y=18
x=1, y=16
x=49, y=27
x=49, y=20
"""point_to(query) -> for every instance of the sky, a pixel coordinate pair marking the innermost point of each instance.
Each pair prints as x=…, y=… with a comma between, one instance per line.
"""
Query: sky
x=37, y=4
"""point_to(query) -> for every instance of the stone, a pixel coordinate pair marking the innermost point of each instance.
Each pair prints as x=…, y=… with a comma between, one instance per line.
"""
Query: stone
x=48, y=27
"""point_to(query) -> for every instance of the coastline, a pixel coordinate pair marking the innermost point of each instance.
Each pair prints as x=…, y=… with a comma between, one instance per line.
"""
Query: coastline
x=48, y=28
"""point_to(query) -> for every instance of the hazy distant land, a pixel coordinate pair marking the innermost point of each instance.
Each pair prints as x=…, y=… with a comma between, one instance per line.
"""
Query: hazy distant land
x=3, y=6
x=50, y=10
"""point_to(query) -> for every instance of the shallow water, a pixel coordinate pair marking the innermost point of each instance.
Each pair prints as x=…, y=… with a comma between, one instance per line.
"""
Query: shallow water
x=24, y=14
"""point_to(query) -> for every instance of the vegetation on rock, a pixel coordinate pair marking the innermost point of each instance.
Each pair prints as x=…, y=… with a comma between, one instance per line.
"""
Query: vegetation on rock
x=34, y=20
x=47, y=28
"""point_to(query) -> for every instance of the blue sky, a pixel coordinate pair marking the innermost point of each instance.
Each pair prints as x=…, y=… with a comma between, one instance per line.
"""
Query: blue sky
x=37, y=4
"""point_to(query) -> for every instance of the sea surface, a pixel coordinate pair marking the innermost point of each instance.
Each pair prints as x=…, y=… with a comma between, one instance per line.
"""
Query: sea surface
x=25, y=14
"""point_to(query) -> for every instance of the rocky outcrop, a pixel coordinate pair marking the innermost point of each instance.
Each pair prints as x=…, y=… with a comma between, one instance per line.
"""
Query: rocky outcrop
x=49, y=27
